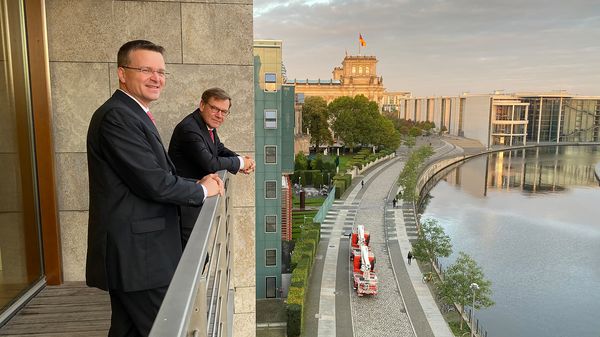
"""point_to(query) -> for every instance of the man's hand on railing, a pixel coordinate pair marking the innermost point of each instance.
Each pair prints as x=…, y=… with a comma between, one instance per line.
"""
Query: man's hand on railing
x=213, y=184
x=249, y=165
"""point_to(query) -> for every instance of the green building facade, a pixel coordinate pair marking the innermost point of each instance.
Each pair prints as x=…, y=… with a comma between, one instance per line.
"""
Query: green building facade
x=274, y=137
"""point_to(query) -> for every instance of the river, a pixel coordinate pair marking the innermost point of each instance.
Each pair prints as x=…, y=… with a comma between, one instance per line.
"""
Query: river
x=531, y=220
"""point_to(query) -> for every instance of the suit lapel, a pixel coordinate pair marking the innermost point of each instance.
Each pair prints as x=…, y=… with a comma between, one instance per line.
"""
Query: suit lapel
x=141, y=114
x=204, y=132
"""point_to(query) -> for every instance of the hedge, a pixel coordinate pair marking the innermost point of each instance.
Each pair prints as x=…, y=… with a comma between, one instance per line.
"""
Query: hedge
x=340, y=188
x=295, y=311
x=302, y=262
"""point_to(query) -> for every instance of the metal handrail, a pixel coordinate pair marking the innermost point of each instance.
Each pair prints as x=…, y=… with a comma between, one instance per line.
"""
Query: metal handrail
x=320, y=216
x=197, y=303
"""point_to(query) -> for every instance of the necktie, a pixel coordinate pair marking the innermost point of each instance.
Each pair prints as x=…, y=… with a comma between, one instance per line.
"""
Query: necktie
x=151, y=117
x=212, y=135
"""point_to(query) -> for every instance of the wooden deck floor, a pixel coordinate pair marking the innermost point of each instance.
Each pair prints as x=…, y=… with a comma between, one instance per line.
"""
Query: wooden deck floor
x=69, y=310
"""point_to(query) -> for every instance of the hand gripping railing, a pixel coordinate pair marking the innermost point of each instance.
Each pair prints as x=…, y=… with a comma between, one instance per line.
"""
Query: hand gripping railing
x=199, y=300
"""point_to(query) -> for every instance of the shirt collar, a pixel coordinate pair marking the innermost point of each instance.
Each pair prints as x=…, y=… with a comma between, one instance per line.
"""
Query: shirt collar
x=146, y=109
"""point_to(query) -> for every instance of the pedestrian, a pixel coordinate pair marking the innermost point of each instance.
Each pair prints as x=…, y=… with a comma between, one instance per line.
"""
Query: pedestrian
x=394, y=202
x=134, y=238
x=362, y=183
x=410, y=256
x=196, y=149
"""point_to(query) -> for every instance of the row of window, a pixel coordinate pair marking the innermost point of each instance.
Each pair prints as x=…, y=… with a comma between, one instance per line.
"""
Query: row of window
x=360, y=69
x=270, y=185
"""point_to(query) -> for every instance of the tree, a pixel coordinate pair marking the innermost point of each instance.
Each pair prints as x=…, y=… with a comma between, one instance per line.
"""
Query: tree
x=410, y=141
x=386, y=135
x=455, y=287
x=357, y=121
x=432, y=242
x=344, y=114
x=415, y=132
x=315, y=117
x=410, y=172
x=301, y=162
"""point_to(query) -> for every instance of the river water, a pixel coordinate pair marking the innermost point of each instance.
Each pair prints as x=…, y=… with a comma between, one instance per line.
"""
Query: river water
x=531, y=220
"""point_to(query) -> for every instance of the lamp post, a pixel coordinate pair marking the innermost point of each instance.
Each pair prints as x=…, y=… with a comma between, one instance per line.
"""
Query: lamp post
x=474, y=287
x=302, y=228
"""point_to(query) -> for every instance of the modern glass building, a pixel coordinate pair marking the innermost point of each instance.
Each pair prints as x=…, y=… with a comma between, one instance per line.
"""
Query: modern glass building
x=510, y=119
x=274, y=132
x=562, y=118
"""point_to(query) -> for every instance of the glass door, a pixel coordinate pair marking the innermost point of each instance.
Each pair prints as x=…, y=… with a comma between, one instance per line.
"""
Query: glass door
x=20, y=247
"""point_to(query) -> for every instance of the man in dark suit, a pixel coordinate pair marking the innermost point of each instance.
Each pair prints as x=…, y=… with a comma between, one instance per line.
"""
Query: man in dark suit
x=196, y=149
x=133, y=230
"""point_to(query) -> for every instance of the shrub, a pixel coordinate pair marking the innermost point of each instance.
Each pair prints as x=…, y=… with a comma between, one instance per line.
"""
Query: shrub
x=301, y=162
x=317, y=178
x=340, y=188
x=295, y=311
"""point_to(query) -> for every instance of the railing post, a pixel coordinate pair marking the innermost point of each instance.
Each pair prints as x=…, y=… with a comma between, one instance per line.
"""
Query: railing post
x=198, y=320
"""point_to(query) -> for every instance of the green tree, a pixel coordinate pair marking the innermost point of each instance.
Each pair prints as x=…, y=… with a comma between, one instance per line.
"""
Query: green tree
x=410, y=172
x=432, y=242
x=415, y=131
x=344, y=114
x=386, y=135
x=455, y=287
x=315, y=118
x=357, y=121
x=410, y=141
x=300, y=162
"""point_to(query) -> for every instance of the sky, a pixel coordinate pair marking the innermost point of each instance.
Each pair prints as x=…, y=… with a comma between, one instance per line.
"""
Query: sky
x=443, y=47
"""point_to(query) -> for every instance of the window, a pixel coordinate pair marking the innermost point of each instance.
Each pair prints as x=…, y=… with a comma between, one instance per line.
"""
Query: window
x=271, y=223
x=353, y=69
x=270, y=78
x=270, y=82
x=270, y=154
x=270, y=189
x=270, y=257
x=271, y=287
x=360, y=70
x=367, y=69
x=271, y=119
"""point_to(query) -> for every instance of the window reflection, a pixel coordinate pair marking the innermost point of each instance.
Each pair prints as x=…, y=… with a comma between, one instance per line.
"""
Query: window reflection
x=20, y=261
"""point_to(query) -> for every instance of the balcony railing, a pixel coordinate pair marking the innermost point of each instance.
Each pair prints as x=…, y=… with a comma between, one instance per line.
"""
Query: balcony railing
x=199, y=301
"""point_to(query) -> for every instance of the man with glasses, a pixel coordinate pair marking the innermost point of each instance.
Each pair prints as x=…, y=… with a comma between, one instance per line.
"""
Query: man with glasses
x=134, y=237
x=196, y=149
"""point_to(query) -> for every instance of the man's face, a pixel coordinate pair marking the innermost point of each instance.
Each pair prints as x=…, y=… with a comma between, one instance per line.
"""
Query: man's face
x=144, y=87
x=212, y=112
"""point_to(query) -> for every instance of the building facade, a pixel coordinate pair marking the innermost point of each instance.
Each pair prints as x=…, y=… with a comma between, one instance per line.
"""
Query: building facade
x=58, y=67
x=500, y=119
x=356, y=76
x=274, y=133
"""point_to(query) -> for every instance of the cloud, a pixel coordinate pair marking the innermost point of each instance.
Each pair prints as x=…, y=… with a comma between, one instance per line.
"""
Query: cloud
x=441, y=47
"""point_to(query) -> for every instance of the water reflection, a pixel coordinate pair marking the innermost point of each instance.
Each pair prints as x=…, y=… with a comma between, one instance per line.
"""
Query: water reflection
x=530, y=219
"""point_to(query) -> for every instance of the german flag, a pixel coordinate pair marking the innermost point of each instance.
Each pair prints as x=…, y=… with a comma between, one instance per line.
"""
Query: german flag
x=361, y=40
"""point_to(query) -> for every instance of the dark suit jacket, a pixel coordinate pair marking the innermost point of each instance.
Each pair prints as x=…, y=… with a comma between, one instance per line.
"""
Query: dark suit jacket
x=133, y=230
x=195, y=155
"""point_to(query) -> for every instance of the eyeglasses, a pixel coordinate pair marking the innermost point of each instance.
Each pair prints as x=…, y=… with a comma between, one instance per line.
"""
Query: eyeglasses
x=216, y=110
x=148, y=71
